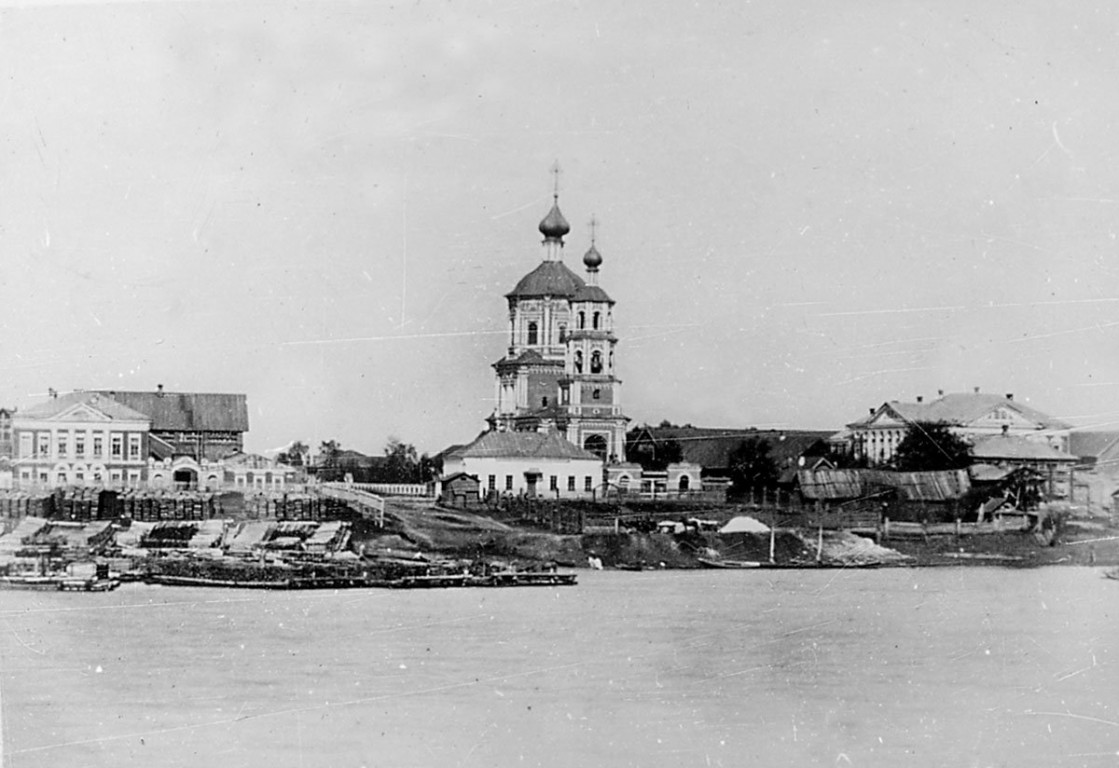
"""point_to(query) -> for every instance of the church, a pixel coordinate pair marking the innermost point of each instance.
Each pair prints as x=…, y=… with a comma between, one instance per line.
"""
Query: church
x=558, y=371
x=557, y=423
x=557, y=429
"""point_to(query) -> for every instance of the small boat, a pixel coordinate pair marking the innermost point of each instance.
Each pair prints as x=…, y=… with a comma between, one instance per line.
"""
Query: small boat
x=37, y=583
x=709, y=563
x=88, y=585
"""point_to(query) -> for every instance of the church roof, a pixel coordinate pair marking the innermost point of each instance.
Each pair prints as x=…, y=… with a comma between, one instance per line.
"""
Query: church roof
x=591, y=293
x=536, y=445
x=551, y=278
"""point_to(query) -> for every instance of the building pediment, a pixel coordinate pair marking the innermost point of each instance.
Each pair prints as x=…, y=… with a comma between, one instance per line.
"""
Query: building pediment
x=81, y=412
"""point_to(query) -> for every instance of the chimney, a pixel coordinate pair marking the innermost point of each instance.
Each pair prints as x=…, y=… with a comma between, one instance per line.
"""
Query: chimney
x=871, y=411
x=940, y=393
x=1009, y=395
x=1005, y=429
x=977, y=390
x=52, y=393
x=159, y=390
x=920, y=398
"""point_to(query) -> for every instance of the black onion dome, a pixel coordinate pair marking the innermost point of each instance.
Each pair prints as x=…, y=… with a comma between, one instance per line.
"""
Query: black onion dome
x=554, y=226
x=592, y=259
x=551, y=278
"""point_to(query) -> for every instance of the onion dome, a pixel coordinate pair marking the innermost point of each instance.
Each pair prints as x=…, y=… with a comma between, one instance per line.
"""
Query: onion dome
x=592, y=259
x=554, y=226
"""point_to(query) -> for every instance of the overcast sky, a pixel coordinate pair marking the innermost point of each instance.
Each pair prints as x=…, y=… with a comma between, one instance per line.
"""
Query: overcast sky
x=806, y=207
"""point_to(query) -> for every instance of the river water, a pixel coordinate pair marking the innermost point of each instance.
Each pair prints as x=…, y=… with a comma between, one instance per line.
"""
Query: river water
x=888, y=667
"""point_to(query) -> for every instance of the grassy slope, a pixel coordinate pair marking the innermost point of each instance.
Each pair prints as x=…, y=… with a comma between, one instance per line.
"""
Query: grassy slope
x=419, y=526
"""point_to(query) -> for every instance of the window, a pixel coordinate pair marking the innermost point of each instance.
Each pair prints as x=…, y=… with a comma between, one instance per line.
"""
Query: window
x=582, y=320
x=553, y=482
x=544, y=402
x=62, y=445
x=588, y=483
x=133, y=446
x=685, y=482
x=532, y=333
x=25, y=444
x=79, y=445
x=571, y=482
x=62, y=478
x=44, y=478
x=595, y=320
x=44, y=444
x=578, y=361
x=114, y=476
x=115, y=446
x=79, y=478
x=596, y=394
x=98, y=446
x=562, y=333
x=508, y=482
x=596, y=362
x=492, y=484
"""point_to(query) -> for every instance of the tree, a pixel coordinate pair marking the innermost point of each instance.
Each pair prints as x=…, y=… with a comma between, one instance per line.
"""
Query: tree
x=930, y=446
x=328, y=452
x=293, y=456
x=403, y=464
x=751, y=466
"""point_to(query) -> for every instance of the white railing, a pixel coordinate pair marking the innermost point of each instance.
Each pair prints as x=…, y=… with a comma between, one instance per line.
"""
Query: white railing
x=365, y=501
x=393, y=489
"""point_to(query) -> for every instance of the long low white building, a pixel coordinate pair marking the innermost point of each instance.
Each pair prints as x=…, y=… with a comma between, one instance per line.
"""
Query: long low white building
x=527, y=463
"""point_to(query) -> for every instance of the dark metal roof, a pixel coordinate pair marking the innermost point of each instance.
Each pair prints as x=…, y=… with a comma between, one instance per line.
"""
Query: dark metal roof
x=550, y=278
x=591, y=293
x=188, y=411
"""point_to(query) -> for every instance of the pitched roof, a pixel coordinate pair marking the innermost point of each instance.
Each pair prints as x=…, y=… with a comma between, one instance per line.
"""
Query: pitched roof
x=924, y=486
x=1092, y=445
x=712, y=447
x=961, y=408
x=189, y=411
x=537, y=445
x=831, y=483
x=551, y=278
x=591, y=293
x=1015, y=447
x=98, y=401
x=835, y=484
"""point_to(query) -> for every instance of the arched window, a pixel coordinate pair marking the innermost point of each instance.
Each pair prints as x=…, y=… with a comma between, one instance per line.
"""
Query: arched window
x=596, y=362
x=596, y=319
x=578, y=361
x=532, y=334
x=685, y=482
x=562, y=334
x=582, y=320
x=596, y=444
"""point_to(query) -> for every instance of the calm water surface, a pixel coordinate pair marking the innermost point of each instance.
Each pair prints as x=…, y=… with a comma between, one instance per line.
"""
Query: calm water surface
x=932, y=667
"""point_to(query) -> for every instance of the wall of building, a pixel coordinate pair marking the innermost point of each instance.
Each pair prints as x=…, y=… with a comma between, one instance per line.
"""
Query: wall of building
x=574, y=478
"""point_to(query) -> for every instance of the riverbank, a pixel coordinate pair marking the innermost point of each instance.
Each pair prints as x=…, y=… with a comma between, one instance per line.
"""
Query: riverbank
x=415, y=527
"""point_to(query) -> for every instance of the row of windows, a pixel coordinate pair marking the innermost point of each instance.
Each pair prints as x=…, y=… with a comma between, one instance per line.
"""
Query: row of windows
x=534, y=329
x=38, y=444
x=553, y=482
x=78, y=477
